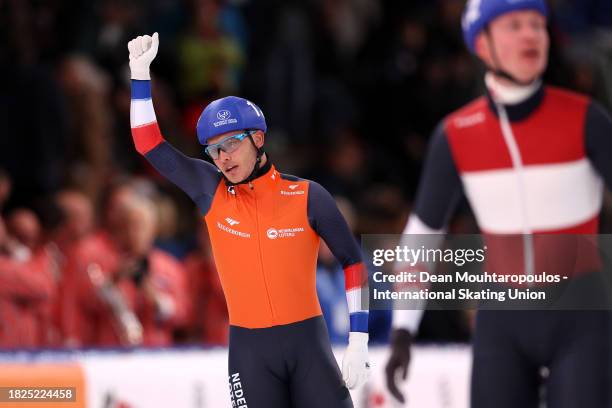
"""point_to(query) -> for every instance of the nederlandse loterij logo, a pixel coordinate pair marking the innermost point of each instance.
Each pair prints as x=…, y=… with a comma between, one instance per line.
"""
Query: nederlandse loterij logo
x=231, y=221
x=274, y=233
x=223, y=114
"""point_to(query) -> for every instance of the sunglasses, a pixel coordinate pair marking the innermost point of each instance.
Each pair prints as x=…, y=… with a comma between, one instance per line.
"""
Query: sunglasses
x=228, y=145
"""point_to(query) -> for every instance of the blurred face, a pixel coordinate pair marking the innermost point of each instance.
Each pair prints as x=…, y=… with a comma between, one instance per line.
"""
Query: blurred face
x=119, y=198
x=238, y=164
x=137, y=231
x=24, y=225
x=79, y=213
x=520, y=44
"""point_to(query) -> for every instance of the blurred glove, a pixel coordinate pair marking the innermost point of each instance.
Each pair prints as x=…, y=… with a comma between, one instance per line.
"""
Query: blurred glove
x=401, y=342
x=143, y=50
x=355, y=364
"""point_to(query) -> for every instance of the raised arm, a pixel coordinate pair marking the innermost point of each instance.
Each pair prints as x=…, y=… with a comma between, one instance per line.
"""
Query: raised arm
x=198, y=178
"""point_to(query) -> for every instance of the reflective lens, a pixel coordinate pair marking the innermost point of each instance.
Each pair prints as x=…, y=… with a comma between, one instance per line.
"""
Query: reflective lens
x=228, y=145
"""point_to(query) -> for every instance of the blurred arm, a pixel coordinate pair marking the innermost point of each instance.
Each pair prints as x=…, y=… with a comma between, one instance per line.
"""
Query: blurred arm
x=167, y=289
x=439, y=192
x=24, y=280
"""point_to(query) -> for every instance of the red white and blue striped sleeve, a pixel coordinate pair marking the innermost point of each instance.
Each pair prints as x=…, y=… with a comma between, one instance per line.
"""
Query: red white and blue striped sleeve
x=356, y=285
x=328, y=222
x=145, y=131
x=198, y=178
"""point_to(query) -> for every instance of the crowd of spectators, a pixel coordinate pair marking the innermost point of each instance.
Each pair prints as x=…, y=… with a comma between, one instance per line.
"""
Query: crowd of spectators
x=97, y=250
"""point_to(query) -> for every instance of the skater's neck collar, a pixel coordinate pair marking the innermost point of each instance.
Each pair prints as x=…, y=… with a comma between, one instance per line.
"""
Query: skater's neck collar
x=518, y=100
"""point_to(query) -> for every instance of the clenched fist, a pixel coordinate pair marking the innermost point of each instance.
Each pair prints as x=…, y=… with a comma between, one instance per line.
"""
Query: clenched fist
x=143, y=50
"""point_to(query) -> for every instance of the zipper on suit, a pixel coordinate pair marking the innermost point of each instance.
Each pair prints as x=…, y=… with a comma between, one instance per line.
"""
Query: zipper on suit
x=263, y=271
x=517, y=164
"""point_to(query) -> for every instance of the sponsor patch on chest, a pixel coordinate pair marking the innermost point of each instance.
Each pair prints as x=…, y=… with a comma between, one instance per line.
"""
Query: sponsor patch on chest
x=273, y=233
x=232, y=223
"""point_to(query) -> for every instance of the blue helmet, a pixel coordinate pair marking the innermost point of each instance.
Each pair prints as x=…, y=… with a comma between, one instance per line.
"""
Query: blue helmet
x=229, y=114
x=479, y=13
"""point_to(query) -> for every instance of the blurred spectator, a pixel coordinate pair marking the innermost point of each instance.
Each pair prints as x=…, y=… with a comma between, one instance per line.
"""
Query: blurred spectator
x=27, y=288
x=208, y=320
x=118, y=22
x=77, y=216
x=347, y=23
x=24, y=226
x=74, y=227
x=383, y=210
x=346, y=169
x=89, y=154
x=210, y=59
x=167, y=228
x=129, y=293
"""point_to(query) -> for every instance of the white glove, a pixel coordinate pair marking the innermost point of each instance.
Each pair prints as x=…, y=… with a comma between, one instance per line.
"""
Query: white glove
x=355, y=364
x=143, y=50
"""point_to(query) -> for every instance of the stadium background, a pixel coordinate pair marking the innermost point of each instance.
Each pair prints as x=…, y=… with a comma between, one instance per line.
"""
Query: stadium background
x=351, y=90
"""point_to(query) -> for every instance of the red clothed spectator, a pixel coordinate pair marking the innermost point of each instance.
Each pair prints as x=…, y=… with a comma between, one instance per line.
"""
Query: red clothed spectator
x=128, y=293
x=75, y=226
x=26, y=290
x=208, y=318
x=47, y=329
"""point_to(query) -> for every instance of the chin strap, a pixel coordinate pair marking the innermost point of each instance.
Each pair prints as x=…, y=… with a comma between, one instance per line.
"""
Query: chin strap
x=256, y=168
x=500, y=72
